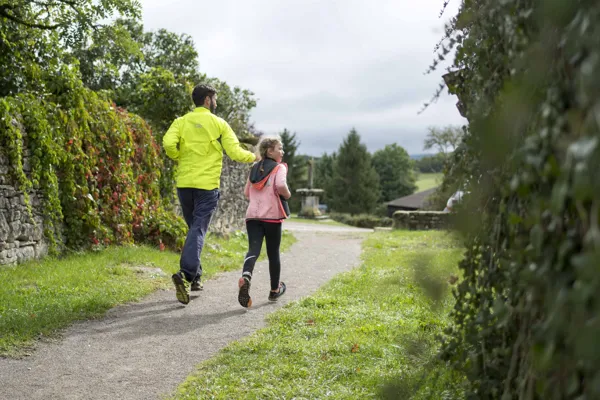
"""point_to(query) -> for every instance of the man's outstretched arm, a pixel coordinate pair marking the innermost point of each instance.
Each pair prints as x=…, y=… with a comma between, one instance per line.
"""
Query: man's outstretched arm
x=232, y=146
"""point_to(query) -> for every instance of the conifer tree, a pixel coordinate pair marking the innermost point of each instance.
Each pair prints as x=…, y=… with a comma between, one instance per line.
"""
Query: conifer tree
x=297, y=166
x=355, y=184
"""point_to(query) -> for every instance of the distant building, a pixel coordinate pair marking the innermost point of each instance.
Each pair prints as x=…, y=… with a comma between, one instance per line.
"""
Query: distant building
x=411, y=202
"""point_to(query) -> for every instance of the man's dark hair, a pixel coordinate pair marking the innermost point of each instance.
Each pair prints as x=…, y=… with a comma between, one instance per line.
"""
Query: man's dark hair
x=201, y=92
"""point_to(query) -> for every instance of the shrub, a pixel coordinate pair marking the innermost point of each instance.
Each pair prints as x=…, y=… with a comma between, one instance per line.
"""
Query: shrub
x=526, y=323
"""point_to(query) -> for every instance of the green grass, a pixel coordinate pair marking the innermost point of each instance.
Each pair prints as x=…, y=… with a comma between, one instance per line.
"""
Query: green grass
x=428, y=180
x=367, y=333
x=39, y=299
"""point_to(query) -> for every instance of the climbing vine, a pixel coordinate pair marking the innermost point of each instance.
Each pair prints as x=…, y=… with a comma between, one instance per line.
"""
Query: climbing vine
x=525, y=324
x=95, y=166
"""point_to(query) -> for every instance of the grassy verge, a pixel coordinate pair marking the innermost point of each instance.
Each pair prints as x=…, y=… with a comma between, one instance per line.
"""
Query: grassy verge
x=367, y=333
x=38, y=299
x=428, y=180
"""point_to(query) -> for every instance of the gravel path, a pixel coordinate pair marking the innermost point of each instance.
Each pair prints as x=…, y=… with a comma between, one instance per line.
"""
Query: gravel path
x=145, y=350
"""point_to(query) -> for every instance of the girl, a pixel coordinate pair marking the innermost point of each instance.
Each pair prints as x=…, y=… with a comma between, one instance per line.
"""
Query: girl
x=265, y=188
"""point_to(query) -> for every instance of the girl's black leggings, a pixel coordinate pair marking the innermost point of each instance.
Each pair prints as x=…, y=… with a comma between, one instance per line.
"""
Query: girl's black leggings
x=271, y=232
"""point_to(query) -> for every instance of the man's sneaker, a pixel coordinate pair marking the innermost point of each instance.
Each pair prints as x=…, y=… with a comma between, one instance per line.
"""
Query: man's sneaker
x=197, y=285
x=181, y=291
x=273, y=296
x=244, y=293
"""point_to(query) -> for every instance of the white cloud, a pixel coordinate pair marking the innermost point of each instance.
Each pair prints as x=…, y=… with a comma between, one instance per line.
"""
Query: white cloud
x=321, y=67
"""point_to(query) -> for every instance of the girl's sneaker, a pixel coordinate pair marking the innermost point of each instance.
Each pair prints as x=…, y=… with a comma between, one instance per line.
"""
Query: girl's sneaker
x=273, y=296
x=244, y=293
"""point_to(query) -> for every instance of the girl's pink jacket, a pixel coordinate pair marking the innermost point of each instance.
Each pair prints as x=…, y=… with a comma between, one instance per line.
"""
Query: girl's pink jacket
x=264, y=198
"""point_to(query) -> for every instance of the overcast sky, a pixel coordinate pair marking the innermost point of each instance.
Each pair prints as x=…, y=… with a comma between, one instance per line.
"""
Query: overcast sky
x=319, y=68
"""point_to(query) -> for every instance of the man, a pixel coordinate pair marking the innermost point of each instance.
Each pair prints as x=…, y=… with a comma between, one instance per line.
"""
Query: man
x=196, y=141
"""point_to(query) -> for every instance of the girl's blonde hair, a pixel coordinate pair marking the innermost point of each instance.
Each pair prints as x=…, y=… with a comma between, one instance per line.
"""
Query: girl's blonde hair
x=267, y=143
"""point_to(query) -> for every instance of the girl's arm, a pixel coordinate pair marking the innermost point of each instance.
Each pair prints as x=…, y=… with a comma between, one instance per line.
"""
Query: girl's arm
x=247, y=189
x=281, y=182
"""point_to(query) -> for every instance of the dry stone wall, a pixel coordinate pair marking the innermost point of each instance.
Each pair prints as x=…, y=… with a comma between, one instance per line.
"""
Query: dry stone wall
x=21, y=233
x=21, y=237
x=421, y=220
x=231, y=213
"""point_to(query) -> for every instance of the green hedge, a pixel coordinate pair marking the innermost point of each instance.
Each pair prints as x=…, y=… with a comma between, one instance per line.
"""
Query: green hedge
x=526, y=321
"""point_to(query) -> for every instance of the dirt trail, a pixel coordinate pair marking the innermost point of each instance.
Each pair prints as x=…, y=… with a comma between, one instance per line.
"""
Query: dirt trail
x=145, y=350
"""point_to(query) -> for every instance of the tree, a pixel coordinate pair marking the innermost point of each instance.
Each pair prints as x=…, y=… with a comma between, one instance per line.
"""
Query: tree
x=296, y=164
x=234, y=106
x=355, y=183
x=323, y=175
x=445, y=140
x=395, y=169
x=70, y=18
x=152, y=74
x=112, y=58
x=35, y=34
x=429, y=164
x=50, y=47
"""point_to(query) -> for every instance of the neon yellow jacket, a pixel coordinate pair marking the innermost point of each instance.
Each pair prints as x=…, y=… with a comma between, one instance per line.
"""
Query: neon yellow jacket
x=193, y=141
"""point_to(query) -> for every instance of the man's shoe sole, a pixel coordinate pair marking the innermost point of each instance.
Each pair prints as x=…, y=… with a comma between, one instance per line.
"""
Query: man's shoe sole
x=244, y=294
x=180, y=290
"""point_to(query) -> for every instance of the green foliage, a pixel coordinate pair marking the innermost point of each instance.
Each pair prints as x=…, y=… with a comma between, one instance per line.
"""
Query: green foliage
x=444, y=140
x=395, y=169
x=112, y=57
x=361, y=220
x=152, y=74
x=355, y=183
x=96, y=166
x=149, y=73
x=297, y=165
x=63, y=15
x=363, y=329
x=234, y=105
x=324, y=175
x=526, y=316
x=431, y=164
x=33, y=36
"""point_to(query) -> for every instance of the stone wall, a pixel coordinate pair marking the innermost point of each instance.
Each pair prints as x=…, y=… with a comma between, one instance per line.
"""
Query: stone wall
x=421, y=220
x=21, y=236
x=231, y=213
x=21, y=240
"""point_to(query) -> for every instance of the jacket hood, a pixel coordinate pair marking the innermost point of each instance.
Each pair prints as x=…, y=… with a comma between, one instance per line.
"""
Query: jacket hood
x=260, y=172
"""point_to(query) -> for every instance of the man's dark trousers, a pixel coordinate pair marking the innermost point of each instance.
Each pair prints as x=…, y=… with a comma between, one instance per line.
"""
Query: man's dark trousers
x=198, y=206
